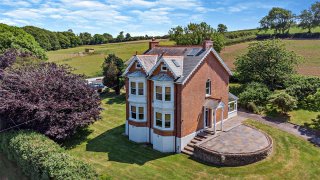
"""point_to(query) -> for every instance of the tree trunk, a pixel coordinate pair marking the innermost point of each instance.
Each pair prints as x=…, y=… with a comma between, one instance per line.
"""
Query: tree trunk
x=117, y=90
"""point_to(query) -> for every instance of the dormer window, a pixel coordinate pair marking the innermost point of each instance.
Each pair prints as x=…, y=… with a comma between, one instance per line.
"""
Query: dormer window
x=164, y=68
x=138, y=65
x=208, y=87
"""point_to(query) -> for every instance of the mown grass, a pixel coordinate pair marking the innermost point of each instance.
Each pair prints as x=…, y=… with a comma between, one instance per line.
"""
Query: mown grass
x=112, y=154
x=90, y=65
x=303, y=117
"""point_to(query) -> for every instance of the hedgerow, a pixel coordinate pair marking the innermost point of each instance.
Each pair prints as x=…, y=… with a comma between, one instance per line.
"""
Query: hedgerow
x=41, y=158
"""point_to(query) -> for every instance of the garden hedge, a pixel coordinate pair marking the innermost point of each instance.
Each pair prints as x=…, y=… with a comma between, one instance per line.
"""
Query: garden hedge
x=41, y=158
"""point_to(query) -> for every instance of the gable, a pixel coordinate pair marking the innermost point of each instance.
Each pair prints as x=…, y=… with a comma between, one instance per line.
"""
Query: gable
x=157, y=71
x=209, y=63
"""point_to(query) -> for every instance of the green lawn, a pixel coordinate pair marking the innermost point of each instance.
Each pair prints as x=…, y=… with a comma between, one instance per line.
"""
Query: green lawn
x=302, y=117
x=112, y=154
x=90, y=65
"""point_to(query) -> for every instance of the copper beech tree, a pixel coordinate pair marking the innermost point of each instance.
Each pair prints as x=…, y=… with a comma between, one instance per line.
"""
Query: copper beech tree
x=47, y=98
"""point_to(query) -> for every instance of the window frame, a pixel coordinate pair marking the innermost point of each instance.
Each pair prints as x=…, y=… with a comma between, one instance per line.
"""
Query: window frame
x=137, y=81
x=138, y=65
x=208, y=88
x=163, y=113
x=137, y=112
x=164, y=68
x=163, y=90
x=235, y=106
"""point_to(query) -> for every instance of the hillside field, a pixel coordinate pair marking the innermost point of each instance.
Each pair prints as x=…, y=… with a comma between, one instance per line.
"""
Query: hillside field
x=90, y=65
x=308, y=49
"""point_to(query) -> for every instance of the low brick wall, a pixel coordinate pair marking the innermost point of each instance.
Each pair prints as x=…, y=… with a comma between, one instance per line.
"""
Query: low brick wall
x=232, y=159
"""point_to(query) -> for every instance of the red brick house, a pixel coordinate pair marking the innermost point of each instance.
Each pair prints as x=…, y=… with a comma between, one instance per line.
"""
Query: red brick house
x=175, y=92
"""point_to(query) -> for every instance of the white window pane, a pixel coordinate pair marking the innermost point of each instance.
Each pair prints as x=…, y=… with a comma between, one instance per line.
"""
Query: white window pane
x=158, y=119
x=167, y=123
x=168, y=94
x=140, y=88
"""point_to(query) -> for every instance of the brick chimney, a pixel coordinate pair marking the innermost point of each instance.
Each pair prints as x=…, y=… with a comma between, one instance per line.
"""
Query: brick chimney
x=153, y=43
x=207, y=44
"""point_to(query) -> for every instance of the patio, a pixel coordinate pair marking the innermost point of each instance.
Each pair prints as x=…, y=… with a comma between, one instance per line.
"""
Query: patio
x=237, y=146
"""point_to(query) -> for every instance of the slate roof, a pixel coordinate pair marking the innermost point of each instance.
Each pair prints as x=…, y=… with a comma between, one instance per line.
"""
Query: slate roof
x=187, y=57
x=136, y=74
x=162, y=77
x=148, y=61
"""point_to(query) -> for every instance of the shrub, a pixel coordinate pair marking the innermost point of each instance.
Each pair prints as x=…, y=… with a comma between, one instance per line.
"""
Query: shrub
x=302, y=86
x=256, y=93
x=251, y=106
x=283, y=101
x=41, y=158
x=313, y=101
x=47, y=98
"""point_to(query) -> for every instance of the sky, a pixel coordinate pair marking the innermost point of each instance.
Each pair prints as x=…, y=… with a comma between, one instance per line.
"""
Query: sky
x=139, y=17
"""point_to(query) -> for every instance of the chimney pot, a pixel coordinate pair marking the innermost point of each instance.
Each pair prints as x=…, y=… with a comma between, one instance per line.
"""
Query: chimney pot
x=153, y=43
x=207, y=44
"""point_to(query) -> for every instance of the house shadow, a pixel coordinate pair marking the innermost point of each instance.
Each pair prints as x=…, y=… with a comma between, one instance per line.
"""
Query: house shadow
x=118, y=148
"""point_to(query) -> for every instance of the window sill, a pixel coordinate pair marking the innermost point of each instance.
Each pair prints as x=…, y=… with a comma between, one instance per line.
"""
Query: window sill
x=163, y=129
x=208, y=95
x=135, y=120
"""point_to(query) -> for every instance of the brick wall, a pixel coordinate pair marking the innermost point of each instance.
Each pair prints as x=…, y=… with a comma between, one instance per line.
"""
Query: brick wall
x=193, y=94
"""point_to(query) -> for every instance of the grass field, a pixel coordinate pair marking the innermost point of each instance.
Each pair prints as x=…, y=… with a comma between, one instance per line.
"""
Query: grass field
x=90, y=65
x=308, y=49
x=303, y=117
x=293, y=30
x=112, y=154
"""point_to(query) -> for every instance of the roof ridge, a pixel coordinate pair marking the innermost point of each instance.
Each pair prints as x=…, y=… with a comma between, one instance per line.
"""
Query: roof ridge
x=178, y=46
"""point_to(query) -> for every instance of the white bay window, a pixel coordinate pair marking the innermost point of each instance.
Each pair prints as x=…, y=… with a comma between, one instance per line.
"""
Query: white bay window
x=163, y=120
x=137, y=112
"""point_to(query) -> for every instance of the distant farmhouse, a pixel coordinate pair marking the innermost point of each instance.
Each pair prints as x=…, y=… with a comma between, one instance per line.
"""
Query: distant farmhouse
x=89, y=50
x=176, y=92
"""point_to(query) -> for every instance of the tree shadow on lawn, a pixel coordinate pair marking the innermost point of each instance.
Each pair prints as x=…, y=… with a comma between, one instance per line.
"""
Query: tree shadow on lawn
x=113, y=98
x=120, y=149
x=77, y=139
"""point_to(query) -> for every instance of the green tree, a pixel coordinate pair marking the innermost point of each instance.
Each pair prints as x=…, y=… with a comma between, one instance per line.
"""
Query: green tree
x=98, y=39
x=47, y=40
x=278, y=19
x=195, y=34
x=64, y=41
x=128, y=36
x=112, y=68
x=268, y=62
x=108, y=37
x=306, y=20
x=73, y=39
x=283, y=101
x=120, y=37
x=17, y=38
x=222, y=28
x=254, y=92
x=85, y=38
x=315, y=9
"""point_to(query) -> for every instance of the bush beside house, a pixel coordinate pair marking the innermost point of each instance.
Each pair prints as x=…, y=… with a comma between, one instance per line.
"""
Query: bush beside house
x=41, y=158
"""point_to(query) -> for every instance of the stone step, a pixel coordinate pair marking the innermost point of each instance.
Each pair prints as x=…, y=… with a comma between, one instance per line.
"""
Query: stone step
x=187, y=152
x=199, y=138
x=194, y=141
x=189, y=148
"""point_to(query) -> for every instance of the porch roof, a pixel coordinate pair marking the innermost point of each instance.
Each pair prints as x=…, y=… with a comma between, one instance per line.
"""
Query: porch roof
x=212, y=103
